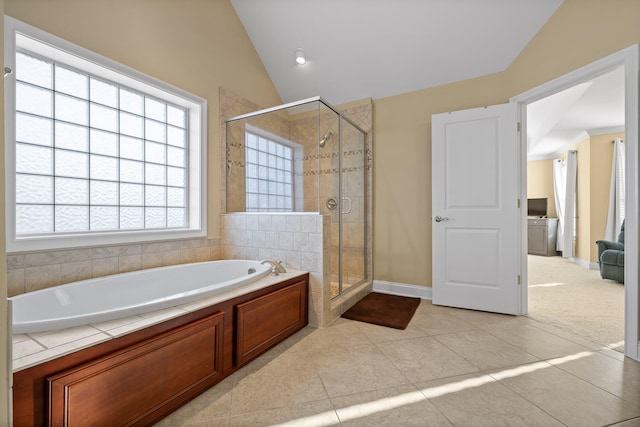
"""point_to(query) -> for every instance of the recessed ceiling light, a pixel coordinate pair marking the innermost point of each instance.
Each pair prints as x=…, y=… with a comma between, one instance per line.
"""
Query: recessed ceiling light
x=299, y=55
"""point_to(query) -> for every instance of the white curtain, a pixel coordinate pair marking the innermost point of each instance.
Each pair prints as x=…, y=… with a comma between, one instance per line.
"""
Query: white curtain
x=564, y=182
x=559, y=187
x=615, y=215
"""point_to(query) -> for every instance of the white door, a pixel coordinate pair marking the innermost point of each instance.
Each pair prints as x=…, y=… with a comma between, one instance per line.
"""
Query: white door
x=476, y=216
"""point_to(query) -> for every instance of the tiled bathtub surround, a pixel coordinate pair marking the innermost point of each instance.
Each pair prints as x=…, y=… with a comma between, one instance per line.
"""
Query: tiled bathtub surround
x=301, y=241
x=38, y=270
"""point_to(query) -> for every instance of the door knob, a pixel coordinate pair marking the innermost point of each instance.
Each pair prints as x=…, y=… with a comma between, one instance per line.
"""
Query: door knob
x=440, y=218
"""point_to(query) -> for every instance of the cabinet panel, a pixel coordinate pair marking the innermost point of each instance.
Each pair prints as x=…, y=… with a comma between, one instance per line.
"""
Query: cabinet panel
x=269, y=319
x=541, y=236
x=127, y=386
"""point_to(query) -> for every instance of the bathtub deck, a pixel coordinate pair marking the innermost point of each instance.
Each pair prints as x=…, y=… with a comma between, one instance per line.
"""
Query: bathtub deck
x=38, y=347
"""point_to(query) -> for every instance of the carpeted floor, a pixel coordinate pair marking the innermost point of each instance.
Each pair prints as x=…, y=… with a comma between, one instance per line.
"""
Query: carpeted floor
x=578, y=300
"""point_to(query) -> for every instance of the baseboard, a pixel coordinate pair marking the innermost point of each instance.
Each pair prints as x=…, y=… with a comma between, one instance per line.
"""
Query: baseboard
x=585, y=264
x=402, y=289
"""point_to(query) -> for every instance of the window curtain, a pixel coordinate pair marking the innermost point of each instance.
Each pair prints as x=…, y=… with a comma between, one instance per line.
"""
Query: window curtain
x=564, y=182
x=615, y=215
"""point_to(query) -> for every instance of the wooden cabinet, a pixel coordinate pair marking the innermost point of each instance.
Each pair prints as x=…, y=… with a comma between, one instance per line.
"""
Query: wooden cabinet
x=141, y=377
x=269, y=319
x=131, y=386
x=541, y=236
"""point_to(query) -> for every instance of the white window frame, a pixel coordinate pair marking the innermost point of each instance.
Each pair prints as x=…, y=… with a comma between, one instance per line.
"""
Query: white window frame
x=19, y=34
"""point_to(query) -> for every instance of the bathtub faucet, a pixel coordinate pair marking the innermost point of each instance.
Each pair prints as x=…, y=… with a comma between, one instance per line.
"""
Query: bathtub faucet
x=276, y=266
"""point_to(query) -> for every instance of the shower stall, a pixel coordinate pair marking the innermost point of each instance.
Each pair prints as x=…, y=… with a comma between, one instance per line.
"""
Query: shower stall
x=305, y=156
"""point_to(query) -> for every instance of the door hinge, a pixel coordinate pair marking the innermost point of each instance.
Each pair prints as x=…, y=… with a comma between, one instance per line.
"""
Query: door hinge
x=518, y=127
x=518, y=203
x=519, y=280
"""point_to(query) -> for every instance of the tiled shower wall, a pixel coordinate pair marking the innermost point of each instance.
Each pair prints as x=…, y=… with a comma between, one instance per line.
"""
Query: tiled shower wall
x=296, y=239
x=38, y=270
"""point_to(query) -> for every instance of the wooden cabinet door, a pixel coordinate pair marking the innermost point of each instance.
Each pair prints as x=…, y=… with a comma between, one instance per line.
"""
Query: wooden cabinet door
x=264, y=321
x=141, y=383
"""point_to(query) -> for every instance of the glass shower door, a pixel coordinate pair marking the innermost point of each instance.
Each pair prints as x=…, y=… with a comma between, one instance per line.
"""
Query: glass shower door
x=352, y=218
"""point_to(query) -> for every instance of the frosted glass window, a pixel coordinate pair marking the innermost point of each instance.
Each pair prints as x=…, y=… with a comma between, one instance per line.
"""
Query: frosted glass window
x=131, y=101
x=155, y=217
x=104, y=168
x=92, y=154
x=34, y=100
x=155, y=153
x=34, y=130
x=72, y=110
x=72, y=218
x=268, y=175
x=175, y=177
x=131, y=194
x=33, y=219
x=155, y=195
x=104, y=218
x=131, y=218
x=72, y=82
x=72, y=137
x=104, y=143
x=34, y=189
x=154, y=131
x=131, y=148
x=131, y=171
x=175, y=136
x=71, y=191
x=131, y=125
x=104, y=193
x=34, y=159
x=155, y=109
x=104, y=93
x=176, y=217
x=155, y=174
x=176, y=116
x=72, y=164
x=33, y=70
x=104, y=118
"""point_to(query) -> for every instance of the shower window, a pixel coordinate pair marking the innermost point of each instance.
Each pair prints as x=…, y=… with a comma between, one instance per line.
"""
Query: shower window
x=269, y=174
x=98, y=153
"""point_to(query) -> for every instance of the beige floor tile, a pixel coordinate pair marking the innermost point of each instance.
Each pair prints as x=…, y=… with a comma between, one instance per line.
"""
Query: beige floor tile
x=318, y=413
x=565, y=397
x=396, y=406
x=422, y=359
x=363, y=368
x=484, y=350
x=378, y=333
x=479, y=400
x=536, y=341
x=435, y=322
x=618, y=377
x=268, y=383
x=210, y=408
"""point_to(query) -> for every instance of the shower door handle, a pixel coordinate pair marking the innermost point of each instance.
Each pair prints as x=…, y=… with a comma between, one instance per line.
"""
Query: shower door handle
x=348, y=210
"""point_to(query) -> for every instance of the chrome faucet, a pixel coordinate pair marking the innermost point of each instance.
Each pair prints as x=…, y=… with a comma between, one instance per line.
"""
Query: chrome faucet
x=276, y=266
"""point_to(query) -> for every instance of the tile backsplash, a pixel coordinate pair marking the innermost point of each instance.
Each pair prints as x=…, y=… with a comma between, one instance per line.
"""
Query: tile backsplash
x=32, y=271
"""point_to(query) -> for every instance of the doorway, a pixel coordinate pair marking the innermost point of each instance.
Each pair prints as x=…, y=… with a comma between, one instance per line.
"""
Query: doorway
x=628, y=59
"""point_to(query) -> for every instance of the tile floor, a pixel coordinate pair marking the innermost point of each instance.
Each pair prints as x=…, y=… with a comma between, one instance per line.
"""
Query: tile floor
x=449, y=367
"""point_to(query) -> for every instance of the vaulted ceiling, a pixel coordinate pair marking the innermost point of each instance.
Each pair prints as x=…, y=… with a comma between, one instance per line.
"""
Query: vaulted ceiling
x=359, y=49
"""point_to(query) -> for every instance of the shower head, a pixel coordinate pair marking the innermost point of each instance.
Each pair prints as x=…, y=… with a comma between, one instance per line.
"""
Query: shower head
x=327, y=136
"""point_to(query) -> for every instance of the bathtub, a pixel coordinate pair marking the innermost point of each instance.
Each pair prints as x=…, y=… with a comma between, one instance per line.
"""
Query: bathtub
x=128, y=294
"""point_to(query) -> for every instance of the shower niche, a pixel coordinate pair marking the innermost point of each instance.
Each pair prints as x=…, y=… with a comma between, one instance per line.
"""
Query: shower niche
x=306, y=157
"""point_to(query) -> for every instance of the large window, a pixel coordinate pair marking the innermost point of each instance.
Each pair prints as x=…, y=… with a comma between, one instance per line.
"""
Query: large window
x=99, y=151
x=269, y=170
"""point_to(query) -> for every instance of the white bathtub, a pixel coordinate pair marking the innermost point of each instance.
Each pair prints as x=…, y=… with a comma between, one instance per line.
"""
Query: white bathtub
x=128, y=294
